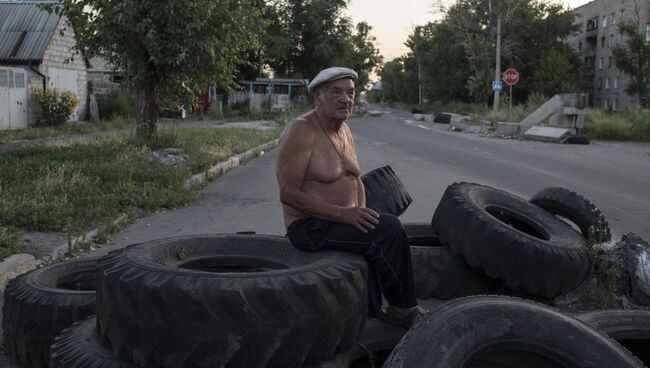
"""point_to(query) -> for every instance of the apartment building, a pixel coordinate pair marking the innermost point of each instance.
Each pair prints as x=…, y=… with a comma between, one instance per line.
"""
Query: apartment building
x=598, y=34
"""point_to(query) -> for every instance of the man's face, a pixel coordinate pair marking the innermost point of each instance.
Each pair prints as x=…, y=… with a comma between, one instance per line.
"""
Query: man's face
x=336, y=99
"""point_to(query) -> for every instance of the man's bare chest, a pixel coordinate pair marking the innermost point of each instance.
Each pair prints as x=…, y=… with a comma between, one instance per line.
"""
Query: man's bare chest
x=330, y=161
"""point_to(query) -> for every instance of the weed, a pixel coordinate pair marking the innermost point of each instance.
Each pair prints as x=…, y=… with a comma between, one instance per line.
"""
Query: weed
x=11, y=241
x=623, y=126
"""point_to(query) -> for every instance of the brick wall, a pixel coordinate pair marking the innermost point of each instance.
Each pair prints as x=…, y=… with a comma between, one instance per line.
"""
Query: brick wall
x=58, y=50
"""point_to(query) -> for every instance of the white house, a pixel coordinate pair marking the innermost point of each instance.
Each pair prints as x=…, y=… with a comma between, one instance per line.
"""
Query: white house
x=36, y=52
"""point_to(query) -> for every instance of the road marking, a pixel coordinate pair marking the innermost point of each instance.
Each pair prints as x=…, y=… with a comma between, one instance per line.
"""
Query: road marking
x=408, y=121
x=423, y=127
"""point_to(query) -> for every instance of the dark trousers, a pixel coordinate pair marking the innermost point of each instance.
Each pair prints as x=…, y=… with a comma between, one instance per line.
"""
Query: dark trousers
x=385, y=248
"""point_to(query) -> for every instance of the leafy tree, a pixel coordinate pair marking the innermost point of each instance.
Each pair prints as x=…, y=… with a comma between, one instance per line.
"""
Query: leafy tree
x=168, y=48
x=633, y=58
x=556, y=73
x=306, y=36
x=457, y=53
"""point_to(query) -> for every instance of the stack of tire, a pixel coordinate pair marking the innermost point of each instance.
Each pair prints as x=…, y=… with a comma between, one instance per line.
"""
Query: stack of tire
x=196, y=301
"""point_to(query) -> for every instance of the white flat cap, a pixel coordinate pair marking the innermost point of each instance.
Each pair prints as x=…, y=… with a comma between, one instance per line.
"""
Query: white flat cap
x=331, y=74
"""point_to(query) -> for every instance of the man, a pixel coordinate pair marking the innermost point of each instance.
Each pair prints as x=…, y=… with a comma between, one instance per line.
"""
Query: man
x=324, y=200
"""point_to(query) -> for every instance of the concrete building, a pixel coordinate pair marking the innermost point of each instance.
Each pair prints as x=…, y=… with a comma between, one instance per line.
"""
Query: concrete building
x=598, y=34
x=36, y=52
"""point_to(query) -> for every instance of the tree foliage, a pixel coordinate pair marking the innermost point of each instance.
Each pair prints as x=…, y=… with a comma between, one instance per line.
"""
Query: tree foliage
x=632, y=57
x=306, y=36
x=168, y=48
x=457, y=53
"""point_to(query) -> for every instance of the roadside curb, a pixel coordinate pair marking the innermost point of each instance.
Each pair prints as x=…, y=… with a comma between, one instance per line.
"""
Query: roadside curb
x=18, y=264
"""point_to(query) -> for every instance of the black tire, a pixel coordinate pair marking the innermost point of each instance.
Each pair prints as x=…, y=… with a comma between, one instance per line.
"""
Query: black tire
x=230, y=300
x=579, y=139
x=442, y=118
x=466, y=329
x=575, y=208
x=378, y=339
x=38, y=305
x=79, y=346
x=438, y=273
x=385, y=192
x=511, y=239
x=631, y=328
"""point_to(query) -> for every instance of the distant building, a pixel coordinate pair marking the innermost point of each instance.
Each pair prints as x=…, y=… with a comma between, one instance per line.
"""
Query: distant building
x=598, y=34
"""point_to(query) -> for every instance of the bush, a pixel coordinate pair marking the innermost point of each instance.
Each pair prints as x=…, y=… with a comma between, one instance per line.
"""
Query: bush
x=56, y=105
x=116, y=105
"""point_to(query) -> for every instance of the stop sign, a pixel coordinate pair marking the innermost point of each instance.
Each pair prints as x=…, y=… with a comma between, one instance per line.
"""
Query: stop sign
x=511, y=76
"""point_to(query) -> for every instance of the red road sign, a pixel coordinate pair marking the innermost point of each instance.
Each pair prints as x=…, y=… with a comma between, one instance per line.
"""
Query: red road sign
x=511, y=76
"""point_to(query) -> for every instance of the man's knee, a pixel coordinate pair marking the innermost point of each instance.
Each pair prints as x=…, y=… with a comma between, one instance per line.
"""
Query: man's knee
x=390, y=223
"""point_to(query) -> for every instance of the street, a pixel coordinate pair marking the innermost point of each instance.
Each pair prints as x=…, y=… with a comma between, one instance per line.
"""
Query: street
x=427, y=157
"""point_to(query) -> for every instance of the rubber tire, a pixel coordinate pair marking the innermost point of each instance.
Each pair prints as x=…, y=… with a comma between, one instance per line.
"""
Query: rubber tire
x=442, y=118
x=378, y=336
x=579, y=139
x=622, y=325
x=438, y=273
x=572, y=206
x=385, y=192
x=79, y=346
x=36, y=309
x=462, y=329
x=158, y=314
x=525, y=262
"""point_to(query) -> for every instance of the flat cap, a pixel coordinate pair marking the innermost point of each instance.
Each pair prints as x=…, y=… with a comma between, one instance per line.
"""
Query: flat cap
x=331, y=74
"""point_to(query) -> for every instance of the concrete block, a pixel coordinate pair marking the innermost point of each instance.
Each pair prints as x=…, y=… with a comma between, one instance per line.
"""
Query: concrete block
x=508, y=129
x=547, y=134
x=547, y=109
x=15, y=265
x=478, y=129
x=418, y=117
x=428, y=118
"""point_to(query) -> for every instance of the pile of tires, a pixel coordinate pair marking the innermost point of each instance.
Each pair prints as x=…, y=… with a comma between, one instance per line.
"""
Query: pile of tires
x=194, y=301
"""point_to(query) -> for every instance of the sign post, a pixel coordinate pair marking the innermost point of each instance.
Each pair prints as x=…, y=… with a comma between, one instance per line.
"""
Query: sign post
x=511, y=77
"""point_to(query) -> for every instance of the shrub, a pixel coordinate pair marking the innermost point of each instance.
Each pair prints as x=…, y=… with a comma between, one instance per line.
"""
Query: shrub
x=56, y=105
x=117, y=104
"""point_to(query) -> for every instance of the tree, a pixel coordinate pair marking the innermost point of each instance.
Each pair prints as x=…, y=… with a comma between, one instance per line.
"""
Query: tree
x=556, y=73
x=633, y=57
x=168, y=48
x=306, y=36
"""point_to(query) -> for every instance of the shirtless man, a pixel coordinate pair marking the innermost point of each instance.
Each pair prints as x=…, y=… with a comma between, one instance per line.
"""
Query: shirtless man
x=323, y=198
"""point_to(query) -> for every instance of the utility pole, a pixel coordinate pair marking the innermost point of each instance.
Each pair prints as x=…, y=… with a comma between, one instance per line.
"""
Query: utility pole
x=497, y=70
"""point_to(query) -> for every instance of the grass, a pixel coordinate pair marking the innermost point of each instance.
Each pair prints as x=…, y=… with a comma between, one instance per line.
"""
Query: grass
x=76, y=186
x=8, y=136
x=621, y=126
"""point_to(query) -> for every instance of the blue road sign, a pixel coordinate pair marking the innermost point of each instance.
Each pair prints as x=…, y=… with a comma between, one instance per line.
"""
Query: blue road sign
x=497, y=85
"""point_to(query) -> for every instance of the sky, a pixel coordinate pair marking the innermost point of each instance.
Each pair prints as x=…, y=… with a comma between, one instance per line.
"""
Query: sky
x=393, y=20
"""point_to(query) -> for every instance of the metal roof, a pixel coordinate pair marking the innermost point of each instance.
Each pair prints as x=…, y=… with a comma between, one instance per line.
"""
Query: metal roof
x=25, y=31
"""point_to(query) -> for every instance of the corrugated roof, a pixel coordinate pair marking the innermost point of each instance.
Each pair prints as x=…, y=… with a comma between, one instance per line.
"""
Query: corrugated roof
x=25, y=31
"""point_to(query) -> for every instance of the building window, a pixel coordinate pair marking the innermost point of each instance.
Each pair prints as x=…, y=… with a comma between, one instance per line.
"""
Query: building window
x=579, y=45
x=610, y=62
x=611, y=40
x=647, y=33
x=607, y=83
x=592, y=24
x=614, y=103
x=605, y=103
x=604, y=21
x=4, y=78
x=613, y=16
x=600, y=63
x=600, y=83
x=602, y=41
x=615, y=82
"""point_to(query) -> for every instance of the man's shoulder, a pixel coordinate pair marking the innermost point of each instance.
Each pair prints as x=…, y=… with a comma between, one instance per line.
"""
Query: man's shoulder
x=302, y=126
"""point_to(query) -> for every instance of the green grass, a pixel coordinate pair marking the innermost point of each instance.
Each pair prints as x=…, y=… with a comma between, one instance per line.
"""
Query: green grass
x=8, y=136
x=11, y=242
x=621, y=126
x=72, y=188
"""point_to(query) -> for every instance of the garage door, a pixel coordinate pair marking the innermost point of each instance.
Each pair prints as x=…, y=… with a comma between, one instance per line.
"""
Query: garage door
x=13, y=98
x=65, y=79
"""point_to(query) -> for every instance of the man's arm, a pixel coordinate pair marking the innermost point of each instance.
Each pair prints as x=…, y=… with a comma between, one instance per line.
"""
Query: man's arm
x=294, y=154
x=362, y=193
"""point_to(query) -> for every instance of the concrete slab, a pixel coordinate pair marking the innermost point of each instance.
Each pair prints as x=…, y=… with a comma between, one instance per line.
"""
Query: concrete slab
x=547, y=134
x=478, y=129
x=418, y=117
x=429, y=118
x=15, y=265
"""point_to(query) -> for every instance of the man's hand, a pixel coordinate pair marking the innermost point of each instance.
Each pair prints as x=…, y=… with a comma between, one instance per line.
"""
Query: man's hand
x=362, y=218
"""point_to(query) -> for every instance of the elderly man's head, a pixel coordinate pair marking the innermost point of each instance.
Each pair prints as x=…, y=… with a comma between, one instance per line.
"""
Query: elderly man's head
x=333, y=91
